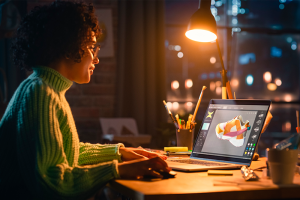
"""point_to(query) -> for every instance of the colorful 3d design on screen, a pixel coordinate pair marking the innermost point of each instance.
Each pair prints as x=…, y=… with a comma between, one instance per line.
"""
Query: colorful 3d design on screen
x=234, y=131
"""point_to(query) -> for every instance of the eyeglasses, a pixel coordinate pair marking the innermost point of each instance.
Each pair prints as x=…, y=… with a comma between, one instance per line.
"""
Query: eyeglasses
x=95, y=50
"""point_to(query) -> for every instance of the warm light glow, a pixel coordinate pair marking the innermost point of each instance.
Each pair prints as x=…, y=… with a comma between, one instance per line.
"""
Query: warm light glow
x=175, y=85
x=189, y=106
x=212, y=60
x=286, y=127
x=177, y=48
x=218, y=90
x=234, y=83
x=188, y=83
x=180, y=54
x=275, y=99
x=218, y=83
x=271, y=86
x=175, y=105
x=200, y=35
x=170, y=105
x=212, y=86
x=287, y=98
x=267, y=77
x=278, y=82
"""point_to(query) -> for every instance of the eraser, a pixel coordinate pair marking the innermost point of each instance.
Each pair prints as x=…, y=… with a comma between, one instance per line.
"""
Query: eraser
x=175, y=149
x=220, y=172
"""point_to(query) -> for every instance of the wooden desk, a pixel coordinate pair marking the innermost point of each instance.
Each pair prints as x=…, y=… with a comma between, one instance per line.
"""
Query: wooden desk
x=197, y=185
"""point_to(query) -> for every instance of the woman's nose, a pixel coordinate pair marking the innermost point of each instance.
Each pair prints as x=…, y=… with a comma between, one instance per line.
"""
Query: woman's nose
x=96, y=60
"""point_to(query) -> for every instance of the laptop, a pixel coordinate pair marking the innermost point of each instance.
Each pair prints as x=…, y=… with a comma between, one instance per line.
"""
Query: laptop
x=228, y=136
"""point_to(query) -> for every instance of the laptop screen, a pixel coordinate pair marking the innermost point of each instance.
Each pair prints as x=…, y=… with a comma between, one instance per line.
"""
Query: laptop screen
x=230, y=130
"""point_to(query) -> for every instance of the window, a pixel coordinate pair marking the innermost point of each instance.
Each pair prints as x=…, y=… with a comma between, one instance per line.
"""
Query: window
x=260, y=43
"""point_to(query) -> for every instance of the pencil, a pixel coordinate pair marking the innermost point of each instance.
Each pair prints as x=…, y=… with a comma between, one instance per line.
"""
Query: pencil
x=188, y=123
x=198, y=103
x=170, y=114
x=177, y=119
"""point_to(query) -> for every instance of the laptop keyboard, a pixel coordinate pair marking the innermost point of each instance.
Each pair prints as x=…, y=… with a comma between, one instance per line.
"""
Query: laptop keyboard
x=200, y=162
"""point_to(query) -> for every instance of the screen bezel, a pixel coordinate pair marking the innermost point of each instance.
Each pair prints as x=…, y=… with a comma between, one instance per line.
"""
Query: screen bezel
x=230, y=102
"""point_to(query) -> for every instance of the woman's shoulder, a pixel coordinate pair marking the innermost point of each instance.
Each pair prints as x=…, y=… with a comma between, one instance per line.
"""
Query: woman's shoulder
x=33, y=83
x=33, y=86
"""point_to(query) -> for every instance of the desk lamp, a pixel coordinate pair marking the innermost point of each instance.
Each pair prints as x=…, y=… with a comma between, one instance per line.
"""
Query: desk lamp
x=203, y=28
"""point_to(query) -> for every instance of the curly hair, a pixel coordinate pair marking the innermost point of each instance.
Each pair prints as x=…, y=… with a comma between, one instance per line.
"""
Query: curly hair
x=53, y=31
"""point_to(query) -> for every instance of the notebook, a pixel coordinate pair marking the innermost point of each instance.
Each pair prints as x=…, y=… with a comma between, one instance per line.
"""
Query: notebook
x=228, y=136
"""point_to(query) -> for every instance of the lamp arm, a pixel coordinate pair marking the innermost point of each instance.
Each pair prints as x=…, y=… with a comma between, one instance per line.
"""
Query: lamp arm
x=204, y=3
x=225, y=82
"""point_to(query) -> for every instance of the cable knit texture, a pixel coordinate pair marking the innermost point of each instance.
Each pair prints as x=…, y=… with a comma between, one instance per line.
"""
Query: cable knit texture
x=40, y=153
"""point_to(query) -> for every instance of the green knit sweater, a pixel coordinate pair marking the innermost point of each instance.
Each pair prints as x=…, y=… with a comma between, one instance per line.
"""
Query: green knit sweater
x=40, y=153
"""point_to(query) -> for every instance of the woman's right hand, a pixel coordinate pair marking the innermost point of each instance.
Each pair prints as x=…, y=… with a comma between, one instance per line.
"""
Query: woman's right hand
x=138, y=168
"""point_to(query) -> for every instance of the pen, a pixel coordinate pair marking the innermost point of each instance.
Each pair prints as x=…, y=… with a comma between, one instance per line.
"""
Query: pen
x=170, y=114
x=180, y=126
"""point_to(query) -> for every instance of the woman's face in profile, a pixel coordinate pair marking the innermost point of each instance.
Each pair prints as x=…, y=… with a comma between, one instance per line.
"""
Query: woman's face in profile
x=81, y=72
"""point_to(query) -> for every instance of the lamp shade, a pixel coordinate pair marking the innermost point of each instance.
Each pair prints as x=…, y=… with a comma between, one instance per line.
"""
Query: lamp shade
x=202, y=26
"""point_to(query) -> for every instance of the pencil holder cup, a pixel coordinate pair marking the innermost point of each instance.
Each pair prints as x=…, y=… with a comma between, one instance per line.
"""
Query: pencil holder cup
x=282, y=164
x=185, y=138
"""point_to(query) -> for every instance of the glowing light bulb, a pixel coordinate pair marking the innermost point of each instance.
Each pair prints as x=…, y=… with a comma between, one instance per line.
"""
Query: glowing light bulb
x=249, y=79
x=218, y=83
x=286, y=127
x=212, y=60
x=294, y=46
x=281, y=6
x=189, y=104
x=188, y=83
x=267, y=77
x=218, y=90
x=278, y=82
x=234, y=83
x=234, y=21
x=200, y=35
x=287, y=98
x=271, y=86
x=212, y=86
x=180, y=54
x=289, y=39
x=177, y=48
x=175, y=85
x=175, y=105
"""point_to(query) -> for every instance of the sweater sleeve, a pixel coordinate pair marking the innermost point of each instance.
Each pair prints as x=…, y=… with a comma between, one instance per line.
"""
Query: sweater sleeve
x=41, y=155
x=97, y=153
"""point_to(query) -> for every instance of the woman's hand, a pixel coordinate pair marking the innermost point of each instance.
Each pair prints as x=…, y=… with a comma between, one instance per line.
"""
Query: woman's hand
x=129, y=154
x=137, y=153
x=138, y=168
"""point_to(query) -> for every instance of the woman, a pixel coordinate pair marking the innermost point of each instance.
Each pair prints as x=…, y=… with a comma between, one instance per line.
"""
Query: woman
x=41, y=156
